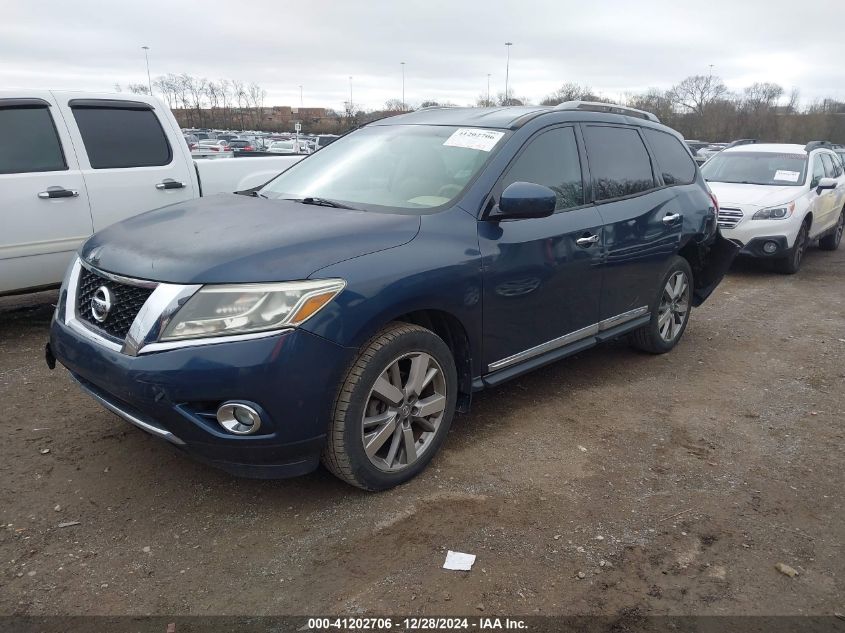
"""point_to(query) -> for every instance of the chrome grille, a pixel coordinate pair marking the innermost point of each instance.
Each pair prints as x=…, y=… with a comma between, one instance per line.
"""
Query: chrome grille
x=128, y=300
x=729, y=218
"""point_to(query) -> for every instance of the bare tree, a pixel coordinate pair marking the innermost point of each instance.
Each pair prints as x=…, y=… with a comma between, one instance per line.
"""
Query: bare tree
x=695, y=93
x=257, y=95
x=138, y=89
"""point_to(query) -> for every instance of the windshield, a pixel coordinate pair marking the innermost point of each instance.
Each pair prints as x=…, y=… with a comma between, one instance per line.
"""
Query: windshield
x=395, y=166
x=757, y=168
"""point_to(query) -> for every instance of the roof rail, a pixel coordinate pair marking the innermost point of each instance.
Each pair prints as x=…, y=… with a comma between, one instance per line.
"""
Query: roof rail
x=612, y=108
x=809, y=147
x=743, y=141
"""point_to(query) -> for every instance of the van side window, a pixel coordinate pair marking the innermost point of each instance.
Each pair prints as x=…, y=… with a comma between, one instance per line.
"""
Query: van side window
x=551, y=159
x=829, y=166
x=675, y=164
x=29, y=141
x=121, y=137
x=619, y=163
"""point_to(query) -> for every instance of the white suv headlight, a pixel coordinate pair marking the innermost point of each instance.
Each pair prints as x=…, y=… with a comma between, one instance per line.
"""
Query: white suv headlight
x=220, y=310
x=775, y=213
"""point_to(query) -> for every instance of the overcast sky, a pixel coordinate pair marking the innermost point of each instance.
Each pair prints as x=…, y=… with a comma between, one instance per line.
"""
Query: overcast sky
x=449, y=46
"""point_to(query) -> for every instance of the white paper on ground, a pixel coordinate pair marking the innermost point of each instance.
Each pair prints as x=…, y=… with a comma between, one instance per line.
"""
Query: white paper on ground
x=789, y=176
x=474, y=138
x=459, y=561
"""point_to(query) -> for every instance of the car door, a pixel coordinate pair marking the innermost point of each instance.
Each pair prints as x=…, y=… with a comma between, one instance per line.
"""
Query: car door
x=820, y=201
x=44, y=212
x=542, y=276
x=129, y=164
x=830, y=198
x=642, y=223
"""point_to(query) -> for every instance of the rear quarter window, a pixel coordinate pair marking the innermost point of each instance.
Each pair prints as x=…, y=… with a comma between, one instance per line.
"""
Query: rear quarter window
x=673, y=160
x=121, y=138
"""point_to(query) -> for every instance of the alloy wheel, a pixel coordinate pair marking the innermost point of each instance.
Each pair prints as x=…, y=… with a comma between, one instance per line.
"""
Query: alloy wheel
x=403, y=411
x=799, y=247
x=674, y=305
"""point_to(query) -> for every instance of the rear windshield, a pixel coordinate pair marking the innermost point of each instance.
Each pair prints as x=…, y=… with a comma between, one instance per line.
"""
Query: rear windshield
x=757, y=168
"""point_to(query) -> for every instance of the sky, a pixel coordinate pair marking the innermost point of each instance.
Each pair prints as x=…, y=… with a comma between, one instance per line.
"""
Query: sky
x=449, y=47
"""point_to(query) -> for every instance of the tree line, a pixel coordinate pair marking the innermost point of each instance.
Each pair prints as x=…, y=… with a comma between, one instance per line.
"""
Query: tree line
x=700, y=107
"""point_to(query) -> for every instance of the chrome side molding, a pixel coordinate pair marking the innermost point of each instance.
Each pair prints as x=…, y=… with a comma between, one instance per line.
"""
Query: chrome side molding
x=567, y=339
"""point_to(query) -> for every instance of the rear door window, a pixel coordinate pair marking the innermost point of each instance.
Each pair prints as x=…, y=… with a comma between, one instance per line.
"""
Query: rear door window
x=818, y=171
x=674, y=162
x=29, y=141
x=829, y=167
x=551, y=159
x=619, y=162
x=122, y=137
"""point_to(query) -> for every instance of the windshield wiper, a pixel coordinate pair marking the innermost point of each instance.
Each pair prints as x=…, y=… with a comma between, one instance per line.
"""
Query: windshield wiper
x=321, y=202
x=251, y=193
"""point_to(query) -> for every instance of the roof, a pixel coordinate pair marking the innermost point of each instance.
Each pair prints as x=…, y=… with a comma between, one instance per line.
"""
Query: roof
x=503, y=117
x=782, y=148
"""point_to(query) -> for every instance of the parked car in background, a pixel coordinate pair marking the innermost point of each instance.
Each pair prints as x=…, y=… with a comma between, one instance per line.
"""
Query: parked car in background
x=72, y=163
x=353, y=303
x=191, y=140
x=324, y=139
x=241, y=145
x=707, y=152
x=291, y=146
x=215, y=145
x=775, y=199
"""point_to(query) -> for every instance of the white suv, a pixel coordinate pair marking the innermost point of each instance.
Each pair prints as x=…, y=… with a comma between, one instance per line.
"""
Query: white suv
x=775, y=199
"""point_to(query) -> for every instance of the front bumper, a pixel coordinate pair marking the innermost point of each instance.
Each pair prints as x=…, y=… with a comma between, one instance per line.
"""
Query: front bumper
x=752, y=234
x=173, y=394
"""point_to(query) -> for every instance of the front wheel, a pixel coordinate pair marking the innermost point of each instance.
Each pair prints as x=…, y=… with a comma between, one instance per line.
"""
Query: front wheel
x=393, y=409
x=791, y=264
x=830, y=242
x=669, y=311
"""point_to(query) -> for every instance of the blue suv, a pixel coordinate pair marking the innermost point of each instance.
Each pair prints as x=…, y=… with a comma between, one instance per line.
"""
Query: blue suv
x=345, y=310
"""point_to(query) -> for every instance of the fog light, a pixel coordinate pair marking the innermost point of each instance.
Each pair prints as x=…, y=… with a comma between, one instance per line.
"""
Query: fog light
x=238, y=418
x=770, y=247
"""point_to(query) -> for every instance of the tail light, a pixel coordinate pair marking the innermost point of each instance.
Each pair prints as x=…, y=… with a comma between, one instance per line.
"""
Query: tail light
x=248, y=148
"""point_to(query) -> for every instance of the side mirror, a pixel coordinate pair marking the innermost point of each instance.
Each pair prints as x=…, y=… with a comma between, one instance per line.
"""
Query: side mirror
x=522, y=200
x=826, y=183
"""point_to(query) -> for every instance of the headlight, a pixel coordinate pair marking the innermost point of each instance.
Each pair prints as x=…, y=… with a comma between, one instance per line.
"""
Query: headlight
x=221, y=310
x=775, y=213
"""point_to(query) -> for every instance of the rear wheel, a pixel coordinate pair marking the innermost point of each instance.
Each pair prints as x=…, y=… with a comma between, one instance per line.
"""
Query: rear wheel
x=669, y=311
x=791, y=264
x=393, y=409
x=831, y=242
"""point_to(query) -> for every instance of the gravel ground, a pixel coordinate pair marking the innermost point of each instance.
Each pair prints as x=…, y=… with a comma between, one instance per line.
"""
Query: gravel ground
x=612, y=483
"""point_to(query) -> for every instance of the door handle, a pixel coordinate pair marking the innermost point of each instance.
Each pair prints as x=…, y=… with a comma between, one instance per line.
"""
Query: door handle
x=671, y=218
x=167, y=183
x=58, y=192
x=587, y=240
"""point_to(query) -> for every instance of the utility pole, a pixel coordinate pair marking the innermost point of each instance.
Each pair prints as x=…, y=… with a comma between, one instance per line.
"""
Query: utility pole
x=350, y=94
x=488, y=90
x=507, y=72
x=147, y=57
x=403, y=86
x=300, y=96
x=711, y=71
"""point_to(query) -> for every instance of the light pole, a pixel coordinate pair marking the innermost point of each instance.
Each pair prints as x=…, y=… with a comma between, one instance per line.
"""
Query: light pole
x=711, y=70
x=488, y=90
x=403, y=86
x=300, y=95
x=350, y=93
x=507, y=71
x=147, y=57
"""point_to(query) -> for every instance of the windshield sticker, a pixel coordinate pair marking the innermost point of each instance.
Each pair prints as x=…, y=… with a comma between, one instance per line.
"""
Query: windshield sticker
x=474, y=138
x=788, y=176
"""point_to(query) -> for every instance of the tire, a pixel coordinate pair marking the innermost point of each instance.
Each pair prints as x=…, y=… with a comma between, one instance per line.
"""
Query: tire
x=399, y=449
x=831, y=241
x=791, y=264
x=660, y=335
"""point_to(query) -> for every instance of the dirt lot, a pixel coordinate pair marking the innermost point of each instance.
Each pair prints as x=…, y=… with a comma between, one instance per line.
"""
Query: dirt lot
x=672, y=484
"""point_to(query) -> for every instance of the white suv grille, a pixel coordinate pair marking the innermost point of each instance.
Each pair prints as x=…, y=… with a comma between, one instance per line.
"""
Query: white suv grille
x=729, y=218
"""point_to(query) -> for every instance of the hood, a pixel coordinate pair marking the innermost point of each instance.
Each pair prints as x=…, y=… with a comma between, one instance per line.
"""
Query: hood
x=230, y=238
x=737, y=194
